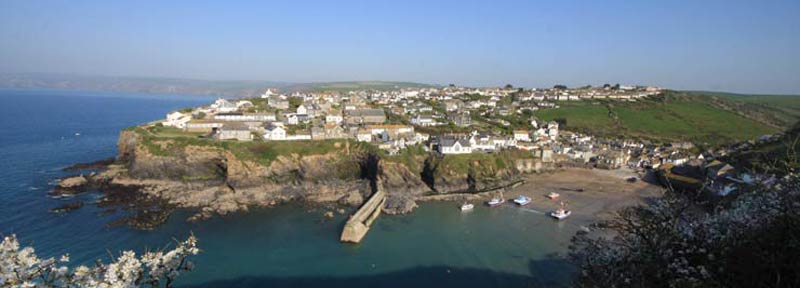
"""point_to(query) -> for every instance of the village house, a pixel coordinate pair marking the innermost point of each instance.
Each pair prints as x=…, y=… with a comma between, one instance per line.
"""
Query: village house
x=363, y=135
x=334, y=116
x=460, y=119
x=454, y=145
x=237, y=116
x=392, y=130
x=328, y=131
x=267, y=94
x=243, y=105
x=278, y=102
x=374, y=116
x=522, y=135
x=223, y=106
x=202, y=125
x=296, y=119
x=306, y=109
x=177, y=119
x=423, y=120
x=234, y=131
x=274, y=133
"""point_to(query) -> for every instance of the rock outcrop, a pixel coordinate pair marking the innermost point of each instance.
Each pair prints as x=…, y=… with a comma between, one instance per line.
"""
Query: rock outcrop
x=213, y=179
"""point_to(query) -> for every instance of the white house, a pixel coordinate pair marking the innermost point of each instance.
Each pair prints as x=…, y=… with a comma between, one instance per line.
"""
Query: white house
x=177, y=119
x=522, y=135
x=267, y=94
x=224, y=106
x=334, y=118
x=364, y=135
x=302, y=109
x=275, y=133
x=255, y=117
x=243, y=104
x=421, y=120
x=448, y=145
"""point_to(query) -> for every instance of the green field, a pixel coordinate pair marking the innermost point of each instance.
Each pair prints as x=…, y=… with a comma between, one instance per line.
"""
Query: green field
x=677, y=116
x=168, y=141
x=782, y=110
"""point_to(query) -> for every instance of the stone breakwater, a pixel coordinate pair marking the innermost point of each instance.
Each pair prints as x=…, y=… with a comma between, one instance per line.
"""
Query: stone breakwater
x=211, y=180
x=359, y=223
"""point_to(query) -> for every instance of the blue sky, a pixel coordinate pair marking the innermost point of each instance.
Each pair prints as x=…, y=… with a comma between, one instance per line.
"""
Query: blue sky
x=742, y=46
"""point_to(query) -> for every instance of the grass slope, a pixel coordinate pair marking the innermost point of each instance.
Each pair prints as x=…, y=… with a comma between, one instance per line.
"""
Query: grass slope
x=675, y=116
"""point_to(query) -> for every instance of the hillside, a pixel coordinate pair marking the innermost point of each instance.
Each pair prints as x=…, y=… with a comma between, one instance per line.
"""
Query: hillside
x=772, y=157
x=704, y=118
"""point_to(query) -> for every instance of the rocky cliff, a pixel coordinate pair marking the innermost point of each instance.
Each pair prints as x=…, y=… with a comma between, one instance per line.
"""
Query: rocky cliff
x=216, y=180
x=219, y=179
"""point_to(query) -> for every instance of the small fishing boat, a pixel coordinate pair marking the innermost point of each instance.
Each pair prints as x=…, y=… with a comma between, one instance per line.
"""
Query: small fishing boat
x=561, y=213
x=467, y=206
x=553, y=195
x=522, y=200
x=495, y=202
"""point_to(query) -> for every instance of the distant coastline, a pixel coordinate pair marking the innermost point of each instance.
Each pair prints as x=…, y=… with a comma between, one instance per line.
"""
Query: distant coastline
x=229, y=88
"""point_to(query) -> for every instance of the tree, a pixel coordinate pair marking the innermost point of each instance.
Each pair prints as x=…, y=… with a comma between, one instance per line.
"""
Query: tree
x=753, y=241
x=508, y=86
x=560, y=87
x=22, y=268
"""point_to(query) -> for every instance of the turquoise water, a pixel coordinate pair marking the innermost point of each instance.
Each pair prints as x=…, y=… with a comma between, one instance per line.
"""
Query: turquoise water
x=288, y=246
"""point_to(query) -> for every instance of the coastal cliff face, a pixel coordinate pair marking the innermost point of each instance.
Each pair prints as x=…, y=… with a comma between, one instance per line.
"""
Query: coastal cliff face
x=215, y=179
x=218, y=181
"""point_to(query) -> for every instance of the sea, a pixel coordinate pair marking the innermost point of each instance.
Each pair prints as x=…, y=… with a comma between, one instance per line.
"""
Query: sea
x=293, y=245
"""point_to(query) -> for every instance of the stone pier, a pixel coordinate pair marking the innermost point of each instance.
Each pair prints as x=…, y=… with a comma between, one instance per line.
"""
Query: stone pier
x=358, y=224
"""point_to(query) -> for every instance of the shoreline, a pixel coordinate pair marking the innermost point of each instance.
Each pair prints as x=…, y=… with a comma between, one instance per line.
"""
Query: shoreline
x=590, y=193
x=605, y=192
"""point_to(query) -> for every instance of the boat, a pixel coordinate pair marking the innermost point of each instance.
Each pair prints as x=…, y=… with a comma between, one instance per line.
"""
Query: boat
x=561, y=213
x=467, y=206
x=553, y=195
x=522, y=200
x=495, y=202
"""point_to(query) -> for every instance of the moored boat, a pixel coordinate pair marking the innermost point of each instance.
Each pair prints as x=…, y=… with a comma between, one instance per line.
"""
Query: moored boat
x=561, y=213
x=522, y=200
x=495, y=202
x=467, y=206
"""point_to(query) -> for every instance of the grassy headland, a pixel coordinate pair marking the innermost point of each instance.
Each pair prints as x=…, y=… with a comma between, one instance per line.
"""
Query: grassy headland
x=681, y=116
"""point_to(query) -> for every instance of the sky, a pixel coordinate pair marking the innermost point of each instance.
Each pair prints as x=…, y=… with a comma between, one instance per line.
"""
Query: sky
x=737, y=46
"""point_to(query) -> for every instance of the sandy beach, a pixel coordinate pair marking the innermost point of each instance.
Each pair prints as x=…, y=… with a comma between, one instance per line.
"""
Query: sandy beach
x=604, y=192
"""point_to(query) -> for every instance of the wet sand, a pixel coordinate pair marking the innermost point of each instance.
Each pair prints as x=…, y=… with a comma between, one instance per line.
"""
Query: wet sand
x=604, y=192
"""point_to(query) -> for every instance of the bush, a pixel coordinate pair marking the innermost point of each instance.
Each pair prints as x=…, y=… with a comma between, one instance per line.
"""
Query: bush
x=22, y=268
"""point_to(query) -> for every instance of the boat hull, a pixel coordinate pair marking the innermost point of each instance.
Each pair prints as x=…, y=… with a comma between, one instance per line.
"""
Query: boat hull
x=523, y=202
x=493, y=204
x=560, y=216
